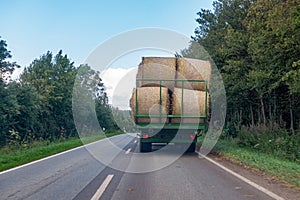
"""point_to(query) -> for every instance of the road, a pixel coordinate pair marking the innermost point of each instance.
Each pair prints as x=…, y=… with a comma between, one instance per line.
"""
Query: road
x=79, y=175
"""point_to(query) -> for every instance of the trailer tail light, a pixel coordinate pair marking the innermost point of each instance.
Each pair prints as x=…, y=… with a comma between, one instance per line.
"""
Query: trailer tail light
x=192, y=136
x=146, y=136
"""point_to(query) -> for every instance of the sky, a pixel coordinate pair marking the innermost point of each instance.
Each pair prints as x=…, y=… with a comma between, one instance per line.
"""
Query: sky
x=33, y=27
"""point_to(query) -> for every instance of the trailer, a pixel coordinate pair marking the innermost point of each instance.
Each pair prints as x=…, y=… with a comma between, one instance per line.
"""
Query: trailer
x=161, y=132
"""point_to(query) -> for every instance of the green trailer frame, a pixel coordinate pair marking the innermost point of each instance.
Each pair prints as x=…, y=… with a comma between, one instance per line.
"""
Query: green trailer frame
x=164, y=133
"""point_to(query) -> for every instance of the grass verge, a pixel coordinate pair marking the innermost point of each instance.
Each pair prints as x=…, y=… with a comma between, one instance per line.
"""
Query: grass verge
x=283, y=169
x=17, y=157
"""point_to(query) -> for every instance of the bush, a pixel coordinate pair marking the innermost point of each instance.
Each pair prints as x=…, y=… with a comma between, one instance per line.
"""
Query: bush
x=275, y=141
x=229, y=131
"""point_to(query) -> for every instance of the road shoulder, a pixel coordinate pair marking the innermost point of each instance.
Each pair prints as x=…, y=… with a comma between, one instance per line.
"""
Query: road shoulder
x=272, y=183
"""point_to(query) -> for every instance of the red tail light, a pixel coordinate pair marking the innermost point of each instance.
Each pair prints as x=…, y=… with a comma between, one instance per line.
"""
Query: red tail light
x=192, y=136
x=146, y=136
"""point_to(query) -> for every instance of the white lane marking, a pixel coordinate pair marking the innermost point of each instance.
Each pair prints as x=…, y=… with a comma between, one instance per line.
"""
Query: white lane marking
x=262, y=189
x=52, y=156
x=102, y=187
x=128, y=150
x=135, y=141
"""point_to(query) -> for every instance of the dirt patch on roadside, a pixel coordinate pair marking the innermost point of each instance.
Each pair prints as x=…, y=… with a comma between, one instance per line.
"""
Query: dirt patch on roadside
x=272, y=183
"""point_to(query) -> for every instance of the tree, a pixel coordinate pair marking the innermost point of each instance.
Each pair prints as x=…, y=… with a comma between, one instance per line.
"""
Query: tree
x=53, y=79
x=90, y=100
x=274, y=46
x=213, y=25
x=225, y=37
x=39, y=105
x=27, y=124
x=292, y=80
x=256, y=45
x=9, y=110
x=6, y=67
x=124, y=120
x=9, y=107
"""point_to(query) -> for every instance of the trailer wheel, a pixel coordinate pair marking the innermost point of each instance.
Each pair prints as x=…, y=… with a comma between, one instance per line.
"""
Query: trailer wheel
x=145, y=146
x=191, y=148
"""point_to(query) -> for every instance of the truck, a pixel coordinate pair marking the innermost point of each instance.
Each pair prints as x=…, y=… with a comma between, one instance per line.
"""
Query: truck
x=167, y=125
x=177, y=132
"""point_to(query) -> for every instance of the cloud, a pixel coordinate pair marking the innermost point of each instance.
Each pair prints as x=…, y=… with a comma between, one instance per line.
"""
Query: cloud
x=119, y=84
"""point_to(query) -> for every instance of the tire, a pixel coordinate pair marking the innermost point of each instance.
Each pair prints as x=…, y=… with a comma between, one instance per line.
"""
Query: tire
x=145, y=146
x=191, y=148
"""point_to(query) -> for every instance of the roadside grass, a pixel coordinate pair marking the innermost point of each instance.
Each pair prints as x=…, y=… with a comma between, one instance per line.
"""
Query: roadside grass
x=16, y=157
x=283, y=169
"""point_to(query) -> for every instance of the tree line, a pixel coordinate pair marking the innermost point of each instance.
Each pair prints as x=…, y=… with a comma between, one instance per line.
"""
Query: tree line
x=38, y=106
x=254, y=43
x=256, y=47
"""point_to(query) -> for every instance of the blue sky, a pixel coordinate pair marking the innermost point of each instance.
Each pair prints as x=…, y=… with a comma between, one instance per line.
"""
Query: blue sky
x=33, y=27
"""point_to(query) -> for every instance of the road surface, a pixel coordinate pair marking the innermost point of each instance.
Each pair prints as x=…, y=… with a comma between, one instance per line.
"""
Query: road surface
x=78, y=175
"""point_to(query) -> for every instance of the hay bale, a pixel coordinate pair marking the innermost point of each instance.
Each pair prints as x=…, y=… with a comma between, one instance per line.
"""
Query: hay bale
x=139, y=73
x=193, y=105
x=168, y=61
x=193, y=69
x=148, y=103
x=162, y=68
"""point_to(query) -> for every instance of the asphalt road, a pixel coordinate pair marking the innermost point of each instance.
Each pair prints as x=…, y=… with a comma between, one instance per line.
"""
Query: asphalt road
x=79, y=175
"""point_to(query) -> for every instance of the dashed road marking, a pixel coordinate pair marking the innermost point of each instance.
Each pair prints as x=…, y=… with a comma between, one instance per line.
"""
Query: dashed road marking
x=102, y=187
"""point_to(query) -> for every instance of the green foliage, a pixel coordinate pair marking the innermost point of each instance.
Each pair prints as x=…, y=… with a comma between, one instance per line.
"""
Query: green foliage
x=9, y=110
x=53, y=79
x=276, y=141
x=14, y=138
x=292, y=78
x=90, y=100
x=282, y=168
x=255, y=45
x=29, y=108
x=124, y=120
x=105, y=117
x=6, y=67
x=12, y=156
x=229, y=131
x=38, y=107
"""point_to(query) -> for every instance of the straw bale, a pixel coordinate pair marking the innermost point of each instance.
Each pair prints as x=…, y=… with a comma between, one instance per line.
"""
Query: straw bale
x=139, y=73
x=193, y=69
x=162, y=68
x=168, y=61
x=193, y=105
x=148, y=103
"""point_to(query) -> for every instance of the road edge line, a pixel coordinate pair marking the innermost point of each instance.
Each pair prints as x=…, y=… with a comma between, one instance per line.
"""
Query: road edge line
x=128, y=151
x=51, y=156
x=102, y=187
x=258, y=187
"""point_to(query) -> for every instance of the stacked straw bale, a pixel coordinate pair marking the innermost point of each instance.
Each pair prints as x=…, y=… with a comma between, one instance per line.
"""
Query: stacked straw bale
x=162, y=68
x=193, y=105
x=157, y=68
x=193, y=69
x=148, y=103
